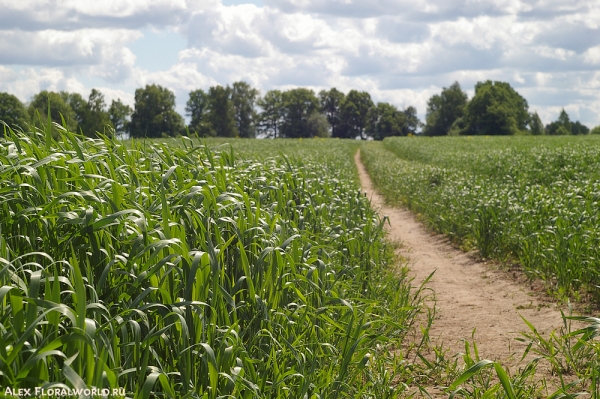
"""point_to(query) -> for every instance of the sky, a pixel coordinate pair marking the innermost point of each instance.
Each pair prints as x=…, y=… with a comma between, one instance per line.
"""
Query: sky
x=400, y=51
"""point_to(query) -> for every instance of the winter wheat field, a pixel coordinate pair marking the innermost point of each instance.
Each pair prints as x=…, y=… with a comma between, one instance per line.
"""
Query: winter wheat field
x=313, y=268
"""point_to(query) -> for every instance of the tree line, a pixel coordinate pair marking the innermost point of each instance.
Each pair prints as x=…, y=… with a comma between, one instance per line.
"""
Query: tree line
x=495, y=109
x=221, y=111
x=240, y=111
x=70, y=110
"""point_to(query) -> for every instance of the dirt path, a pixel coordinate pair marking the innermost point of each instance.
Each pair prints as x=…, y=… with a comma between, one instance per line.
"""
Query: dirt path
x=469, y=295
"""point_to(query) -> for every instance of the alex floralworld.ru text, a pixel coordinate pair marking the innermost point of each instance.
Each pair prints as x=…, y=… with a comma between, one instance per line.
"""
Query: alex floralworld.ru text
x=61, y=392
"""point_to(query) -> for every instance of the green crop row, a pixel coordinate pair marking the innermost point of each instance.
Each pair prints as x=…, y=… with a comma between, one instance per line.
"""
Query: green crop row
x=527, y=199
x=183, y=270
x=536, y=204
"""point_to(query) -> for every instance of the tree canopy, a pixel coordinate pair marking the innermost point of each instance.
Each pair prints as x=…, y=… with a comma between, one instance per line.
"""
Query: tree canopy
x=298, y=106
x=536, y=127
x=98, y=118
x=221, y=114
x=243, y=98
x=197, y=109
x=386, y=120
x=579, y=128
x=271, y=117
x=563, y=126
x=119, y=115
x=240, y=111
x=12, y=112
x=154, y=114
x=331, y=103
x=228, y=111
x=444, y=109
x=496, y=109
x=59, y=109
x=354, y=111
x=92, y=115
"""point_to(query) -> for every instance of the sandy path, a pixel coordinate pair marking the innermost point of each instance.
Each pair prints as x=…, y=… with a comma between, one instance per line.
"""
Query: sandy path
x=468, y=293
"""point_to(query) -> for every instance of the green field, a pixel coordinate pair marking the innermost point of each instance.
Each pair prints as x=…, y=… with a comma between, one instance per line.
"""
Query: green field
x=188, y=269
x=530, y=200
x=242, y=269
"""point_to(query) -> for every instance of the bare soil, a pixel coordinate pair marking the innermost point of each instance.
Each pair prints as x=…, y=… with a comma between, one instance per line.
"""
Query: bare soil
x=469, y=293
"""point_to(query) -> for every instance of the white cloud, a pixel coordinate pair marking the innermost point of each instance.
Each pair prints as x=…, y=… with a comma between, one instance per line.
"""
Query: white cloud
x=542, y=79
x=76, y=14
x=183, y=76
x=120, y=9
x=7, y=74
x=397, y=50
x=483, y=33
x=517, y=77
x=55, y=47
x=592, y=55
x=117, y=65
x=553, y=53
x=111, y=94
x=232, y=30
x=27, y=82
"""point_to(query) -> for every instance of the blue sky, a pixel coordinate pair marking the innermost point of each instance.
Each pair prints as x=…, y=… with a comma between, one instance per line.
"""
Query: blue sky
x=400, y=51
x=157, y=50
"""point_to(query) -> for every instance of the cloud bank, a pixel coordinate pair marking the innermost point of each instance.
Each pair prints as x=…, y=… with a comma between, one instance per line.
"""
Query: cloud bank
x=399, y=51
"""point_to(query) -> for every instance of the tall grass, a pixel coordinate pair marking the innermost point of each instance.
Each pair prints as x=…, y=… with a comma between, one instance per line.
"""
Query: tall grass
x=184, y=271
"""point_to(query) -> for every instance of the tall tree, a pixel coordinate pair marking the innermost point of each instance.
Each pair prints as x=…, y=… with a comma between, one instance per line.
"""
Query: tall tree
x=412, y=121
x=496, y=109
x=77, y=104
x=385, y=120
x=561, y=126
x=564, y=126
x=298, y=106
x=197, y=109
x=354, y=110
x=98, y=117
x=92, y=115
x=578, y=128
x=271, y=117
x=317, y=125
x=12, y=112
x=444, y=109
x=557, y=129
x=221, y=112
x=120, y=115
x=243, y=97
x=564, y=120
x=536, y=127
x=154, y=114
x=59, y=109
x=331, y=103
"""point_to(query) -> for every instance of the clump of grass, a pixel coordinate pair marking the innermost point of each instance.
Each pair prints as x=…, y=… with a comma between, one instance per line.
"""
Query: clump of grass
x=572, y=355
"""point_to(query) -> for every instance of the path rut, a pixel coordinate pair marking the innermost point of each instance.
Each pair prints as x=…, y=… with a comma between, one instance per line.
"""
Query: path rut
x=469, y=294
